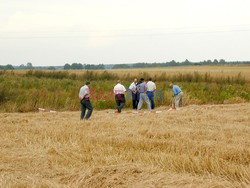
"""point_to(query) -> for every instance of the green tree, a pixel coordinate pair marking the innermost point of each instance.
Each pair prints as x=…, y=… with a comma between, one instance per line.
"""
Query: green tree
x=51, y=68
x=29, y=65
x=67, y=66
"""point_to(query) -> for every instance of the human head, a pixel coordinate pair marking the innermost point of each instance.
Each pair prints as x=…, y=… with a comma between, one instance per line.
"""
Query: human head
x=142, y=80
x=171, y=85
x=150, y=79
x=88, y=83
x=135, y=80
x=118, y=81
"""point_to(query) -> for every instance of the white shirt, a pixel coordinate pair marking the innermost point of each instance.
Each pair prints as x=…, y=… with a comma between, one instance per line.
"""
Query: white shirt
x=119, y=89
x=84, y=91
x=132, y=87
x=151, y=86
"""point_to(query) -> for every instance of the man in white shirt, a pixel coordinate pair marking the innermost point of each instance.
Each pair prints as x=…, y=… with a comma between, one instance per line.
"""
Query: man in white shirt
x=84, y=96
x=150, y=92
x=119, y=91
x=135, y=93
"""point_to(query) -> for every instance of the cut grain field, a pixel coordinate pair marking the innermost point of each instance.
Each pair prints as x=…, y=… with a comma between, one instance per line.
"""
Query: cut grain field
x=196, y=146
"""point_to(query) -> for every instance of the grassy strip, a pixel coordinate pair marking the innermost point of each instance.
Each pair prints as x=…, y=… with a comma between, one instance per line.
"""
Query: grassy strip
x=59, y=90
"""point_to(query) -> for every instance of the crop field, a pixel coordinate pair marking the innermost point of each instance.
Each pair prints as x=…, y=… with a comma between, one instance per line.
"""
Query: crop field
x=196, y=146
x=216, y=71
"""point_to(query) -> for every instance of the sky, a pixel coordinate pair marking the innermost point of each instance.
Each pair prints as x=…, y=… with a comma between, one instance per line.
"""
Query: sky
x=52, y=33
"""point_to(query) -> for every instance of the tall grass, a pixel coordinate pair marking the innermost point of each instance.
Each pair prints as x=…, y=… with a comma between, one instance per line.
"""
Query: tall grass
x=59, y=89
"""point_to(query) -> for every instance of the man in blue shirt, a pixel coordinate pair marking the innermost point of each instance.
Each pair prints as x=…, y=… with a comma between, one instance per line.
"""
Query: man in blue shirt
x=142, y=89
x=178, y=94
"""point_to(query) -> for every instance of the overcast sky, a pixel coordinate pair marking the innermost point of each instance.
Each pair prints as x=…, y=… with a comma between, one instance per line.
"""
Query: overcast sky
x=46, y=32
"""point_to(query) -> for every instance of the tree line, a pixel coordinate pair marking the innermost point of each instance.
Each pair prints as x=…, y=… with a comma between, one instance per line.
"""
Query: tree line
x=184, y=63
x=124, y=66
x=83, y=66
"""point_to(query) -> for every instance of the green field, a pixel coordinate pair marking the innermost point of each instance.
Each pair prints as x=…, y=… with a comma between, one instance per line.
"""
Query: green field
x=58, y=90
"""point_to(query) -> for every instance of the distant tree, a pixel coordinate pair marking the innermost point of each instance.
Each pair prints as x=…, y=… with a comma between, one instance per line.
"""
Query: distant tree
x=29, y=65
x=222, y=61
x=89, y=66
x=121, y=66
x=216, y=62
x=51, y=68
x=76, y=66
x=209, y=62
x=7, y=67
x=22, y=66
x=67, y=66
x=186, y=62
x=172, y=63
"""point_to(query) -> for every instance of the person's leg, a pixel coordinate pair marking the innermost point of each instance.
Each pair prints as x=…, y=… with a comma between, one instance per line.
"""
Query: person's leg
x=140, y=102
x=117, y=102
x=181, y=98
x=137, y=98
x=122, y=102
x=83, y=110
x=90, y=109
x=177, y=100
x=147, y=101
x=134, y=100
x=173, y=103
x=149, y=96
x=152, y=101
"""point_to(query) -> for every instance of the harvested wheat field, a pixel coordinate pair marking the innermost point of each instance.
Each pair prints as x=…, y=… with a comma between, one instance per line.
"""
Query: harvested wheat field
x=196, y=146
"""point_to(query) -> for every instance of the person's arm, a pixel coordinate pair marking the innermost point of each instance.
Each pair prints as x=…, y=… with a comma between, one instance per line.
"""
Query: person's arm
x=131, y=87
x=154, y=86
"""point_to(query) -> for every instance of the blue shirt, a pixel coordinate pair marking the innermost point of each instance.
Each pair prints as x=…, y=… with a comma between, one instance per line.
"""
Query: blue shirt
x=142, y=87
x=176, y=89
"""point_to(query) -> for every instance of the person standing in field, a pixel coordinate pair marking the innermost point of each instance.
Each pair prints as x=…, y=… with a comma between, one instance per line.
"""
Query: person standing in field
x=150, y=92
x=135, y=96
x=142, y=89
x=119, y=91
x=84, y=96
x=177, y=97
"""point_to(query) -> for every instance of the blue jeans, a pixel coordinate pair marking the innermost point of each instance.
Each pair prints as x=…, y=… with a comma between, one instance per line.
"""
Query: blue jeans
x=86, y=105
x=150, y=95
x=135, y=98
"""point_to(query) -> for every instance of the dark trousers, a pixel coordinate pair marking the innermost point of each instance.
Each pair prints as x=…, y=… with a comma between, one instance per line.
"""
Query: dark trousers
x=135, y=99
x=86, y=104
x=150, y=95
x=120, y=101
